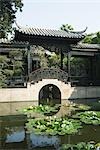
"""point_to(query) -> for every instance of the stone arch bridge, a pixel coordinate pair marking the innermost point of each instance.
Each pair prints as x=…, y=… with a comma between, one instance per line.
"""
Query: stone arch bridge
x=43, y=79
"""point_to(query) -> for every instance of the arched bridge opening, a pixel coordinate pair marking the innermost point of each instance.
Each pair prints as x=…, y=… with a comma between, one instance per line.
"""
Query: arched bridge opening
x=49, y=95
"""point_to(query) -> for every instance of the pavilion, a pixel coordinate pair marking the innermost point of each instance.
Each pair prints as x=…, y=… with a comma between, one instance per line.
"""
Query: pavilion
x=65, y=43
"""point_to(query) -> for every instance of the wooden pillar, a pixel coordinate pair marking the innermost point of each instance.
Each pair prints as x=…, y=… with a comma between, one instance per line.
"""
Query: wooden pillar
x=69, y=64
x=91, y=69
x=62, y=56
x=28, y=59
x=97, y=69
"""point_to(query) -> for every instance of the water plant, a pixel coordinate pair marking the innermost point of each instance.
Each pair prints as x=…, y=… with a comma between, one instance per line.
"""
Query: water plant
x=43, y=109
x=40, y=110
x=53, y=126
x=88, y=117
x=79, y=146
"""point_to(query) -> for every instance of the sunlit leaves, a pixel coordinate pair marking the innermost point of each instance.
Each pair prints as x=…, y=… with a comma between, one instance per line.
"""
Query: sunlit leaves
x=53, y=126
x=79, y=146
x=89, y=117
x=42, y=109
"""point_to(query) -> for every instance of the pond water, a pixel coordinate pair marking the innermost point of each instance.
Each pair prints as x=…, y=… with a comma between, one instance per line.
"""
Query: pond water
x=14, y=136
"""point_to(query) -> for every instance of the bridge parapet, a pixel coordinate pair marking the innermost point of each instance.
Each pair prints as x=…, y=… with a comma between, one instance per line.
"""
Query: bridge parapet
x=48, y=73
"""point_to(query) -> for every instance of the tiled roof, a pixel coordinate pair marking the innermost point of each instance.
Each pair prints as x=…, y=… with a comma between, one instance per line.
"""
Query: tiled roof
x=86, y=46
x=50, y=33
x=6, y=41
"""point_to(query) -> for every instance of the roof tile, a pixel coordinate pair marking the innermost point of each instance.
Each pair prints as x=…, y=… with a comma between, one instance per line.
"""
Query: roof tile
x=50, y=33
x=87, y=46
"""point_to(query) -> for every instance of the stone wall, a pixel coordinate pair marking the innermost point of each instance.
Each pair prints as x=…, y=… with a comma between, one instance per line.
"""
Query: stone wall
x=31, y=93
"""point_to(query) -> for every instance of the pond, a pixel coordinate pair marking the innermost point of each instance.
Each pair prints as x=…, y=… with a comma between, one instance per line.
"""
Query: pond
x=14, y=135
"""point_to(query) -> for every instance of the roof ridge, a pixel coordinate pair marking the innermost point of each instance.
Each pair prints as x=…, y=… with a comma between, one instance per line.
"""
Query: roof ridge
x=41, y=29
x=80, y=32
x=87, y=45
x=50, y=32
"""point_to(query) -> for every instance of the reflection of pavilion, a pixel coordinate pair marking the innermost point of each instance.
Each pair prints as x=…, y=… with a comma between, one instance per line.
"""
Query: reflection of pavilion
x=42, y=141
x=14, y=136
x=12, y=133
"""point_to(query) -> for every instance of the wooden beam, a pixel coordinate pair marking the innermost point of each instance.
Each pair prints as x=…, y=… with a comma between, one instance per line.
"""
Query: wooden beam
x=62, y=56
x=69, y=64
x=28, y=59
x=82, y=53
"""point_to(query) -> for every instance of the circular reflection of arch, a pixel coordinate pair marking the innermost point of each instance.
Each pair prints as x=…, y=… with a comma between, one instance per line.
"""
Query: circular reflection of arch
x=49, y=95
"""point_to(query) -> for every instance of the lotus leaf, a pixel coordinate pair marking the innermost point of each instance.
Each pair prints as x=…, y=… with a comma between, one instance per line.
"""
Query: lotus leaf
x=89, y=117
x=54, y=126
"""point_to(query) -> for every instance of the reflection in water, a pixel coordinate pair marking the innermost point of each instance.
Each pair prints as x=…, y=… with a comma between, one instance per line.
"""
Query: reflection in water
x=13, y=135
x=87, y=133
x=43, y=140
x=17, y=136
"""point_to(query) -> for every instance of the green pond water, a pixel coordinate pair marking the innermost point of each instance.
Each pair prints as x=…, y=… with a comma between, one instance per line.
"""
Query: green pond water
x=14, y=136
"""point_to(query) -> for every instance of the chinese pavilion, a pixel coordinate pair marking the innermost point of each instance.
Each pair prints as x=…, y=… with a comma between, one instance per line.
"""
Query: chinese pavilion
x=82, y=67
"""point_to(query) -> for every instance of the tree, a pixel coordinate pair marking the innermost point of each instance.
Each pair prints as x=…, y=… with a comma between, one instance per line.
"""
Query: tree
x=93, y=38
x=3, y=66
x=11, y=66
x=66, y=27
x=16, y=62
x=8, y=9
x=54, y=60
x=96, y=38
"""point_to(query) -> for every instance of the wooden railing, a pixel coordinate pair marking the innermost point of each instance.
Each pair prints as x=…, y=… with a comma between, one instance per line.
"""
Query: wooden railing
x=83, y=81
x=48, y=73
x=17, y=81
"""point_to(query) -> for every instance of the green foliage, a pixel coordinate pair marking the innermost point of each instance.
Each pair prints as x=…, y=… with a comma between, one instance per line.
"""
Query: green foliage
x=2, y=79
x=93, y=38
x=79, y=107
x=79, y=66
x=79, y=146
x=66, y=27
x=97, y=145
x=96, y=39
x=11, y=66
x=54, y=61
x=16, y=62
x=48, y=110
x=65, y=60
x=82, y=107
x=63, y=125
x=43, y=109
x=8, y=9
x=8, y=72
x=43, y=60
x=88, y=39
x=89, y=117
x=15, y=54
x=3, y=65
x=39, y=52
x=3, y=61
x=53, y=126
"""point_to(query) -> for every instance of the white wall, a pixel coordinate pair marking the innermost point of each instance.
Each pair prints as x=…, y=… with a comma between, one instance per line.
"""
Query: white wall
x=31, y=93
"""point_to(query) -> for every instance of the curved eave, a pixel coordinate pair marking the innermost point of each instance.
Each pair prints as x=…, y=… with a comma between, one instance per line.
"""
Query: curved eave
x=26, y=37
